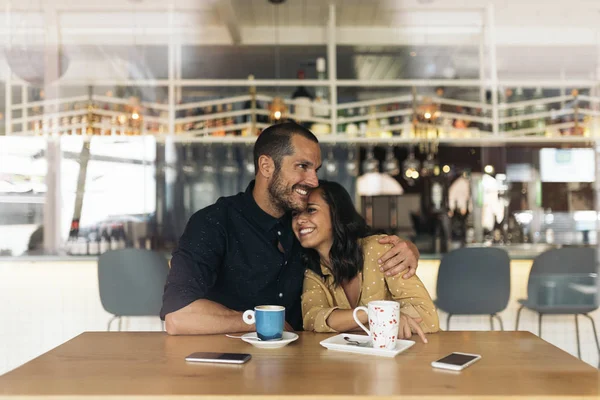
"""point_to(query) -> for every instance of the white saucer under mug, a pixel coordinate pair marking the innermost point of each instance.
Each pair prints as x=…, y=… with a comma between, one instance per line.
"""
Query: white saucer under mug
x=287, y=338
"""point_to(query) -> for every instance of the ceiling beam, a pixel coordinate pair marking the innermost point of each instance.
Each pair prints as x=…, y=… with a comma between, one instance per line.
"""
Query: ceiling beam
x=226, y=13
x=209, y=34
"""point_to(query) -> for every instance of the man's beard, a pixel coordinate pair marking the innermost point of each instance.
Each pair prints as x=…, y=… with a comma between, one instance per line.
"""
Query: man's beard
x=283, y=199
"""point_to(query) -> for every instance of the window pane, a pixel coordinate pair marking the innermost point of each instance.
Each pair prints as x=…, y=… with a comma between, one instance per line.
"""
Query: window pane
x=22, y=190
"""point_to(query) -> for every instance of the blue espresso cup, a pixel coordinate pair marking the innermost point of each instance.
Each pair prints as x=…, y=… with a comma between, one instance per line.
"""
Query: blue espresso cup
x=269, y=321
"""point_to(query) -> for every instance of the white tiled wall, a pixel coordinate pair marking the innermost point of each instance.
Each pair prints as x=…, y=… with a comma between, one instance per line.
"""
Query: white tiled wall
x=44, y=304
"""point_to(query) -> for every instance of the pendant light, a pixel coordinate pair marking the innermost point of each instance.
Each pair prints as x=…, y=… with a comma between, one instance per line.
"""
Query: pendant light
x=277, y=108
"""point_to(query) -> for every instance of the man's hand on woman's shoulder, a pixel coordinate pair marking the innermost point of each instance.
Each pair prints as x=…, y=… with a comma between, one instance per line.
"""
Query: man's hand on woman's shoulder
x=403, y=256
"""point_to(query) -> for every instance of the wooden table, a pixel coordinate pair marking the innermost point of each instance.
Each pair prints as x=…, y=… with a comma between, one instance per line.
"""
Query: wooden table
x=152, y=363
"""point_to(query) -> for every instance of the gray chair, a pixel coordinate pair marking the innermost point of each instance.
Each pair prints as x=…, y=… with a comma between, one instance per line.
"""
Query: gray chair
x=474, y=281
x=131, y=282
x=563, y=282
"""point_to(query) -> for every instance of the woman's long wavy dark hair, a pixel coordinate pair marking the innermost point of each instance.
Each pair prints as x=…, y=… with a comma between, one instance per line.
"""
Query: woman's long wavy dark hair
x=345, y=256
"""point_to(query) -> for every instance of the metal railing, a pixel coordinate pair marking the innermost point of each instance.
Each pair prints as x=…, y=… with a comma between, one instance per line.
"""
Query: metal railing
x=397, y=118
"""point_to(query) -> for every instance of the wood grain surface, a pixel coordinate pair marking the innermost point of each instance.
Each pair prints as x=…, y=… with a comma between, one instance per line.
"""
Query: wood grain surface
x=99, y=364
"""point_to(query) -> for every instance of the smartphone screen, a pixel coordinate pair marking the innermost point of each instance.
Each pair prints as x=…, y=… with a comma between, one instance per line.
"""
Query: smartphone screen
x=457, y=359
x=227, y=358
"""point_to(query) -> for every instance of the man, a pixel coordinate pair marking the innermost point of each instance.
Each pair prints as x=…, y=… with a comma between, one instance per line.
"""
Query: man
x=241, y=251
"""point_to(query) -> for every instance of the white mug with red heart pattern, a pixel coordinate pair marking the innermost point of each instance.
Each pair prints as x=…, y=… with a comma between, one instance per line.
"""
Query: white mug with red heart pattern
x=384, y=321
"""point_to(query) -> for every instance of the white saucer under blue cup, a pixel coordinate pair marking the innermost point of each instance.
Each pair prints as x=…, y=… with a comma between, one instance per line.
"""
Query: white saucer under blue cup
x=269, y=321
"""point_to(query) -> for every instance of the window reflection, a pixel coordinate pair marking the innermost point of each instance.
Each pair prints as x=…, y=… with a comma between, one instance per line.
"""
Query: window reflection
x=22, y=190
x=112, y=200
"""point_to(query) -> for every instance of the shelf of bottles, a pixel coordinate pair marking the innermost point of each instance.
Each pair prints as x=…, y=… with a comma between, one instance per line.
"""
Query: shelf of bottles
x=97, y=239
x=418, y=120
x=523, y=115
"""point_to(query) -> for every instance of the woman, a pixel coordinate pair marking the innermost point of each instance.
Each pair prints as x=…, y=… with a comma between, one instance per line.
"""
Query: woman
x=343, y=273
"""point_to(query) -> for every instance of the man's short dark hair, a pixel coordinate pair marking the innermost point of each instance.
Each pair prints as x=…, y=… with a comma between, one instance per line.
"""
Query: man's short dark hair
x=276, y=142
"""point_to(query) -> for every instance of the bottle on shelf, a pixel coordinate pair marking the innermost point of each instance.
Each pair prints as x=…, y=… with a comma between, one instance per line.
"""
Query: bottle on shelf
x=519, y=111
x=93, y=242
x=321, y=103
x=505, y=96
x=539, y=123
x=64, y=122
x=219, y=122
x=36, y=125
x=209, y=123
x=198, y=125
x=113, y=239
x=188, y=126
x=104, y=240
x=351, y=129
x=82, y=245
x=373, y=127
x=362, y=126
x=229, y=121
x=385, y=130
x=105, y=121
x=396, y=120
x=75, y=122
x=341, y=126
x=303, y=101
x=71, y=246
x=121, y=237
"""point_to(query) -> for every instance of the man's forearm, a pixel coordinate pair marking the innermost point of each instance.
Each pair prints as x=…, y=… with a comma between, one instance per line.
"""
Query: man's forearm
x=205, y=317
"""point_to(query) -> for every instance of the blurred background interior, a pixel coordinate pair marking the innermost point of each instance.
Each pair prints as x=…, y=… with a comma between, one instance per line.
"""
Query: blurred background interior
x=471, y=123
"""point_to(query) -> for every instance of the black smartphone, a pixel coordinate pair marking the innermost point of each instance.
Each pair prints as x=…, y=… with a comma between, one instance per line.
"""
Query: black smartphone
x=456, y=361
x=225, y=358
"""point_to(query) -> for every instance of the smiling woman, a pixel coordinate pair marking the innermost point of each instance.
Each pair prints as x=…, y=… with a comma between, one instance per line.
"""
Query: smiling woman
x=343, y=273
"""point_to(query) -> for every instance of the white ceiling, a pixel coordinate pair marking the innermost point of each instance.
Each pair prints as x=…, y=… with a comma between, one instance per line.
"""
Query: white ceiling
x=350, y=12
x=535, y=38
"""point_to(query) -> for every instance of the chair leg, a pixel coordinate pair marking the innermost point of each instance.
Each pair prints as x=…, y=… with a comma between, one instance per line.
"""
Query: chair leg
x=577, y=337
x=518, y=316
x=448, y=322
x=110, y=322
x=500, y=321
x=595, y=335
x=492, y=322
x=540, y=325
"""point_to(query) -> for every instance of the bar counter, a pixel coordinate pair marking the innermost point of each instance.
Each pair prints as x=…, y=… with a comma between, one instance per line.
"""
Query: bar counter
x=51, y=300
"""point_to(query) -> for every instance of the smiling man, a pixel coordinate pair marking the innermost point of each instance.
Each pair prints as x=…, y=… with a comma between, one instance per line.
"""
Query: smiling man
x=241, y=251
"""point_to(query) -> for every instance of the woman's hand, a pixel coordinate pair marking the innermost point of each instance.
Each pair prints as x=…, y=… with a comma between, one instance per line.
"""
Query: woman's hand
x=410, y=325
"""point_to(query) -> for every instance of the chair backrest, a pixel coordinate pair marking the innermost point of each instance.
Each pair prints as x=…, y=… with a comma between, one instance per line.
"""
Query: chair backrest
x=474, y=281
x=560, y=266
x=568, y=260
x=131, y=281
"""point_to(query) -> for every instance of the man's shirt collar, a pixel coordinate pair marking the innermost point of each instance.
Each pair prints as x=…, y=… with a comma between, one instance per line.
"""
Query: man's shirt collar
x=261, y=218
